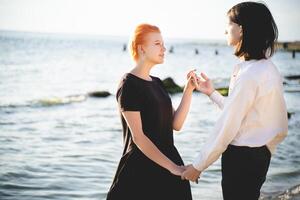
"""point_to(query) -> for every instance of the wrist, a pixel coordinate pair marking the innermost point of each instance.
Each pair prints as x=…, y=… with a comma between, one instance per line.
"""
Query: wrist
x=172, y=167
x=195, y=168
x=188, y=89
x=210, y=92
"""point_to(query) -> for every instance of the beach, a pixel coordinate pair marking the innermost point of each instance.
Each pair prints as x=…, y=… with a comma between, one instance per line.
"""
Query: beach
x=59, y=142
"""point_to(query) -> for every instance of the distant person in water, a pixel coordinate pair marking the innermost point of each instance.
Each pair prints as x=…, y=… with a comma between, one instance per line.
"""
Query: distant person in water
x=254, y=116
x=151, y=167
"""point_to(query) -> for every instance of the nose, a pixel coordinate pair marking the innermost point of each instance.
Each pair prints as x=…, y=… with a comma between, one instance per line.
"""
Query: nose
x=164, y=48
x=226, y=32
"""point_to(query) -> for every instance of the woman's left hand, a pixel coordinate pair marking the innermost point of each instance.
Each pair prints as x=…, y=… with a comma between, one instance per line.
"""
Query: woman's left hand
x=191, y=81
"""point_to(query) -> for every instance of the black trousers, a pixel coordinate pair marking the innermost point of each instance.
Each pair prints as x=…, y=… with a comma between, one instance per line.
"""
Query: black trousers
x=244, y=171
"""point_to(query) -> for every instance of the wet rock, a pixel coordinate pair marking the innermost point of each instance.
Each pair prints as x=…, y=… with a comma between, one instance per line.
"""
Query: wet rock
x=223, y=91
x=293, y=77
x=99, y=94
x=289, y=114
x=171, y=86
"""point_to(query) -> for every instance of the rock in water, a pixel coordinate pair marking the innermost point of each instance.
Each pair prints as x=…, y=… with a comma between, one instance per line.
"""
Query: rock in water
x=293, y=77
x=289, y=114
x=223, y=91
x=171, y=86
x=99, y=94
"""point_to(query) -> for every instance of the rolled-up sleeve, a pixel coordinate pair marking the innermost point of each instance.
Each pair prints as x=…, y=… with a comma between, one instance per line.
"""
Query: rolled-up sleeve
x=218, y=99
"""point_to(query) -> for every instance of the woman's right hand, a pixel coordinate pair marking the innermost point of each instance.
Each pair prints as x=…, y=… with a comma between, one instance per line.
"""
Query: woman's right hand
x=177, y=170
x=203, y=83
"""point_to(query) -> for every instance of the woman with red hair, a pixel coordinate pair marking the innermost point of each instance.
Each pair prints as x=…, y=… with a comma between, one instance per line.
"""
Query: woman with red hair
x=151, y=166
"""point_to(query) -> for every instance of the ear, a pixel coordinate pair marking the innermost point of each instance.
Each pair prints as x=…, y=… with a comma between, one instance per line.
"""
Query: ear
x=140, y=49
x=241, y=31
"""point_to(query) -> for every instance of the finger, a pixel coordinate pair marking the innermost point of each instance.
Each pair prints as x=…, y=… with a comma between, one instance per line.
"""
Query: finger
x=193, y=76
x=198, y=79
x=195, y=81
x=204, y=76
x=182, y=177
x=190, y=73
x=196, y=75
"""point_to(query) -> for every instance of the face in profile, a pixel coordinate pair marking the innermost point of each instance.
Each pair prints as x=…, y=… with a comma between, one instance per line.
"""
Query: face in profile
x=153, y=48
x=233, y=33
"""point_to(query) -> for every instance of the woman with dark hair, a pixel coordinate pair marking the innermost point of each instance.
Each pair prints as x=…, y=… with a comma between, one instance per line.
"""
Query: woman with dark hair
x=254, y=117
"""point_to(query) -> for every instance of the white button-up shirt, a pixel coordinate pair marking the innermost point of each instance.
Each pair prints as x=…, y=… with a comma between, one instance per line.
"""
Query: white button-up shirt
x=254, y=113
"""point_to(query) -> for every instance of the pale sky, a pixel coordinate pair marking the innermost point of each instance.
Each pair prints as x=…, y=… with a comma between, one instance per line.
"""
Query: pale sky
x=176, y=18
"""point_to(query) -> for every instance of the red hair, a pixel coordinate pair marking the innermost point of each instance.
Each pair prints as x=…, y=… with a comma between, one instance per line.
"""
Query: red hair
x=139, y=36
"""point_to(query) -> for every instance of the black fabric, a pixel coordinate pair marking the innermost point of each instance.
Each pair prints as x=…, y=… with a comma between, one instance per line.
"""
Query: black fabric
x=138, y=177
x=244, y=171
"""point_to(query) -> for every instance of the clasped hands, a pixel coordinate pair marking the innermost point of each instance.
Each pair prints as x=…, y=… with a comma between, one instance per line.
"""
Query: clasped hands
x=201, y=83
x=191, y=174
x=186, y=172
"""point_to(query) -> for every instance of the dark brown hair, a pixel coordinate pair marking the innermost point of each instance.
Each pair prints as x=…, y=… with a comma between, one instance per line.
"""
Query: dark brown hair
x=259, y=30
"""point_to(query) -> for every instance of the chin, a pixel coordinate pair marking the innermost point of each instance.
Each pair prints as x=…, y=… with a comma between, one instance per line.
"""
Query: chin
x=230, y=43
x=160, y=62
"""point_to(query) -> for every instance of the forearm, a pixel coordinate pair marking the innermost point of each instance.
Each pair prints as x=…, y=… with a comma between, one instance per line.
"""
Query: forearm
x=228, y=124
x=153, y=153
x=211, y=151
x=181, y=113
x=218, y=99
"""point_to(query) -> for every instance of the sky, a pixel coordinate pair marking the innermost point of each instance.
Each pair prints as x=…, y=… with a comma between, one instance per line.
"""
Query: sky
x=201, y=19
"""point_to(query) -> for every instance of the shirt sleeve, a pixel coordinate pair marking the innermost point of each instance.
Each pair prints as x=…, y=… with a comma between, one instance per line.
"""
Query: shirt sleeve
x=235, y=109
x=218, y=99
x=128, y=97
x=276, y=140
x=283, y=123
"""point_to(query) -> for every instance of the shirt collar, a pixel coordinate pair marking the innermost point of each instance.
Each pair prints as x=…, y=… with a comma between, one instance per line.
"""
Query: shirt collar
x=245, y=63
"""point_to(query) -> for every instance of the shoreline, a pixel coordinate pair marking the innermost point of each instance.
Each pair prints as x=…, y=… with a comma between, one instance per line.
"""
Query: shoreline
x=288, y=46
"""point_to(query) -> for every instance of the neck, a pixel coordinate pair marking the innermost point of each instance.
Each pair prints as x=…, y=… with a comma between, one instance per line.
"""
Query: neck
x=142, y=69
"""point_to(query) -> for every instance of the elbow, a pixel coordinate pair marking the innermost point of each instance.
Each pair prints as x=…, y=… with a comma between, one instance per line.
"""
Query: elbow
x=177, y=127
x=284, y=134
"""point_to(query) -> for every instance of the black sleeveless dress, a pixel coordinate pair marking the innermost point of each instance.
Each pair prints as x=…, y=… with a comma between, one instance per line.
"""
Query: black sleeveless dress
x=138, y=177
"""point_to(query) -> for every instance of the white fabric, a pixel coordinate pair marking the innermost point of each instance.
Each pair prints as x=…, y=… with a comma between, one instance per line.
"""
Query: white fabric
x=254, y=113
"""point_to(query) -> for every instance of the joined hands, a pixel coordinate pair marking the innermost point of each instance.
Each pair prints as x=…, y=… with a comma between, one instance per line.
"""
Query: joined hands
x=201, y=83
x=186, y=173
